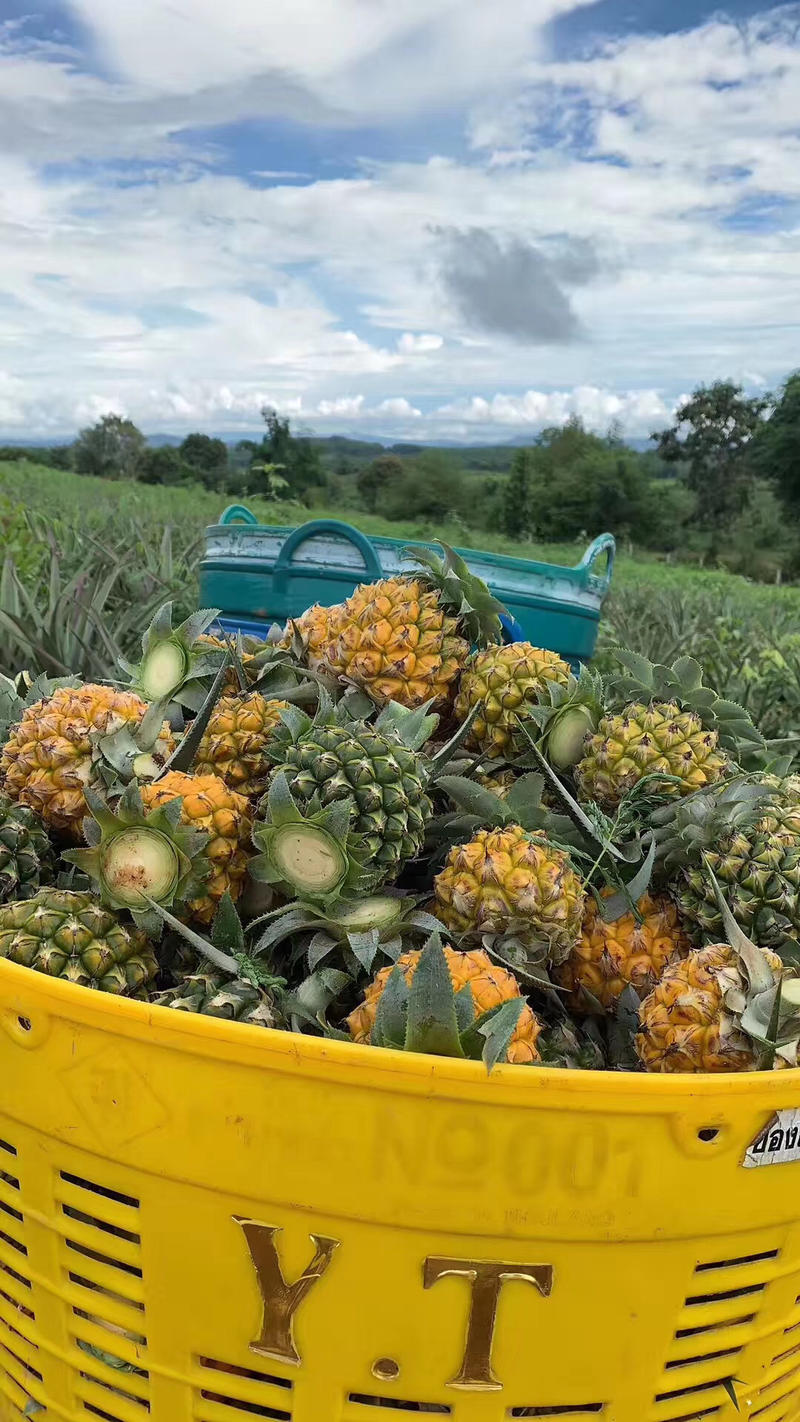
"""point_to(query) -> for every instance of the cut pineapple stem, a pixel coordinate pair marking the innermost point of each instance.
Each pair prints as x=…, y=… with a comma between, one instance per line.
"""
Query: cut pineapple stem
x=164, y=669
x=309, y=858
x=146, y=767
x=566, y=740
x=140, y=864
x=377, y=912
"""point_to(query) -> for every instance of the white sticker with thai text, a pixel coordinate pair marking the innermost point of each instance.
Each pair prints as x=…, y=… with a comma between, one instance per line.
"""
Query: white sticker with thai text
x=778, y=1143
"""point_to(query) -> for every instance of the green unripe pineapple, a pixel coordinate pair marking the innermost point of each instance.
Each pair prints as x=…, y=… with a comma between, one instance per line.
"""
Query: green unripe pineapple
x=26, y=854
x=71, y=936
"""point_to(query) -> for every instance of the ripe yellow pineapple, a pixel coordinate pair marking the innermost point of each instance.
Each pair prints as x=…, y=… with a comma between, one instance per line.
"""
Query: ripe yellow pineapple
x=512, y=882
x=503, y=681
x=490, y=985
x=406, y=638
x=209, y=805
x=686, y=1024
x=630, y=952
x=234, y=745
x=648, y=740
x=316, y=628
x=49, y=757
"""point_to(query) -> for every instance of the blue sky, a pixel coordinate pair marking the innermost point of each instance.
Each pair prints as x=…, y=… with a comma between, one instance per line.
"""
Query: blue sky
x=432, y=219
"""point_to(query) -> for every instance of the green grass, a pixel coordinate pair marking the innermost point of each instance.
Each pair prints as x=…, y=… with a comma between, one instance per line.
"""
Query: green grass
x=71, y=538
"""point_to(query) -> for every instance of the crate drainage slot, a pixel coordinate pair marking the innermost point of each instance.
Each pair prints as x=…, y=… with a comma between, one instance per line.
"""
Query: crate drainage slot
x=397, y=1404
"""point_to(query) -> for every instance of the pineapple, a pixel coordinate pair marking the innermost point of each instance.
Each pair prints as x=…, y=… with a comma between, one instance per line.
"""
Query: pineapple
x=748, y=835
x=347, y=805
x=71, y=936
x=504, y=681
x=490, y=986
x=633, y=951
x=685, y=1025
x=26, y=854
x=512, y=883
x=211, y=994
x=209, y=805
x=311, y=634
x=54, y=751
x=405, y=639
x=235, y=742
x=659, y=739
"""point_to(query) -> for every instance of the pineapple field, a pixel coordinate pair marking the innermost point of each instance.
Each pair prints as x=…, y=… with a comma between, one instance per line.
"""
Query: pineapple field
x=382, y=825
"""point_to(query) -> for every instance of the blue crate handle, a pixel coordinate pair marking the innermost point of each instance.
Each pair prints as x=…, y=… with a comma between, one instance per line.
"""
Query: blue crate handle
x=317, y=526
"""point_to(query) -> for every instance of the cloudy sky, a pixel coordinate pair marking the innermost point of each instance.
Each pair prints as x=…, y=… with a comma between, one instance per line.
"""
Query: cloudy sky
x=407, y=218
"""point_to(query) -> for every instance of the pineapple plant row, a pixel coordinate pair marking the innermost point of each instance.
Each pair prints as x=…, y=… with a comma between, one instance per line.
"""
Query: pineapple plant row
x=384, y=826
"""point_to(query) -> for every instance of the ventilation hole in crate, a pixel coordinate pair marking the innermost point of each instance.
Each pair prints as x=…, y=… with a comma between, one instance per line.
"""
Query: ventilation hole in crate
x=704, y=1357
x=574, y=1409
x=115, y=1329
x=100, y=1290
x=95, y=1223
x=11, y=1212
x=779, y=1380
x=724, y=1295
x=26, y=1367
x=250, y=1374
x=117, y=1391
x=768, y=1406
x=9, y=1179
x=12, y=1274
x=109, y=1359
x=9, y=1149
x=98, y=1412
x=95, y=1189
x=716, y=1327
x=251, y=1409
x=99, y=1258
x=788, y=1353
x=694, y=1416
x=735, y=1263
x=15, y=1243
x=399, y=1404
x=687, y=1391
x=28, y=1313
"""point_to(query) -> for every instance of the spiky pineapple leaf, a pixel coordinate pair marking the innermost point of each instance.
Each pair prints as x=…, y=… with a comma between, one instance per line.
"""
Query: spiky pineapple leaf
x=227, y=933
x=391, y=1018
x=432, y=1022
x=186, y=750
x=617, y=905
x=475, y=799
x=413, y=727
x=497, y=1027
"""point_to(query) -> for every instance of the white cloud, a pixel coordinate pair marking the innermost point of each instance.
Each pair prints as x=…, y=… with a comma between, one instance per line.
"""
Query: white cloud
x=409, y=344
x=186, y=295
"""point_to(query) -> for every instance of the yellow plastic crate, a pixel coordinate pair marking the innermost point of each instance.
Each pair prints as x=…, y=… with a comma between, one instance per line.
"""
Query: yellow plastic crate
x=202, y=1222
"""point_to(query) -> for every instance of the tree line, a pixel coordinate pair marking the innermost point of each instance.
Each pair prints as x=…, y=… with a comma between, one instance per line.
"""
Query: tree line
x=720, y=484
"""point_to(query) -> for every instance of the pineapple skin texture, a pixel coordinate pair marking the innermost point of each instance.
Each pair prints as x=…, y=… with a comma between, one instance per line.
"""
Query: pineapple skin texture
x=490, y=986
x=234, y=746
x=613, y=956
x=47, y=760
x=511, y=881
x=395, y=641
x=208, y=804
x=684, y=1026
x=503, y=680
x=71, y=936
x=317, y=626
x=757, y=869
x=646, y=740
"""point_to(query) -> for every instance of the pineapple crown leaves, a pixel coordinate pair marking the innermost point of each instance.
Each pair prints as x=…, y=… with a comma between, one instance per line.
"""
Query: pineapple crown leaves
x=226, y=950
x=183, y=756
x=566, y=714
x=684, y=828
x=366, y=927
x=131, y=752
x=768, y=1011
x=462, y=592
x=430, y=1016
x=683, y=683
x=172, y=665
x=313, y=856
x=136, y=858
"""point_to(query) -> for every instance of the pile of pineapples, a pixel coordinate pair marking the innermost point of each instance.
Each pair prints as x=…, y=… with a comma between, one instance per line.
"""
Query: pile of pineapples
x=383, y=825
